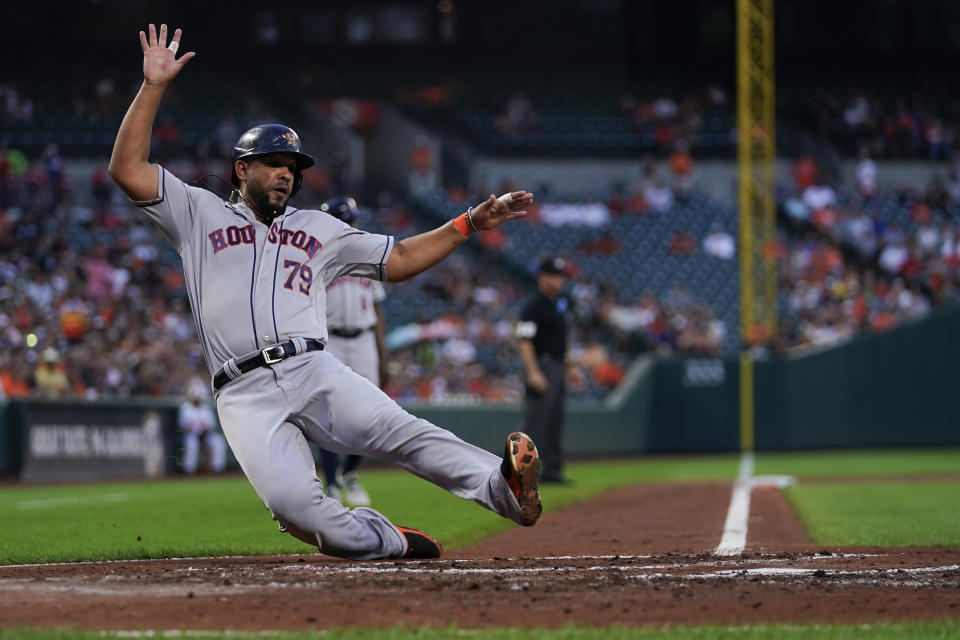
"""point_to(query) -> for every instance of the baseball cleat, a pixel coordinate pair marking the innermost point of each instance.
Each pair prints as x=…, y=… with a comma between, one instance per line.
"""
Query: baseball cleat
x=419, y=544
x=333, y=492
x=521, y=468
x=353, y=491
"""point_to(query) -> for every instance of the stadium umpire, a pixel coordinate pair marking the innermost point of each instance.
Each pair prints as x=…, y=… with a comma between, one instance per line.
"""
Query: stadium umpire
x=542, y=332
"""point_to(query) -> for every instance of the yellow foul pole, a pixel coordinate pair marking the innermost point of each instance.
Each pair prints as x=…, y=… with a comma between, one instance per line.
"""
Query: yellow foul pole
x=756, y=155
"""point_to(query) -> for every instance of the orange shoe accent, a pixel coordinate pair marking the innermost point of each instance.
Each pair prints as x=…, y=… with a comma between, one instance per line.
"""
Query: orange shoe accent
x=419, y=544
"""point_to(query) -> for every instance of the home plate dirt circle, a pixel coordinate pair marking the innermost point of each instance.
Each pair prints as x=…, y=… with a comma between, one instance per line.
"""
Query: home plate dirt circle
x=636, y=556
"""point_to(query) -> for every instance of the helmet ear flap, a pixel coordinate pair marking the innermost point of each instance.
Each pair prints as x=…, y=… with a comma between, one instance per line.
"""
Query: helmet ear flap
x=297, y=182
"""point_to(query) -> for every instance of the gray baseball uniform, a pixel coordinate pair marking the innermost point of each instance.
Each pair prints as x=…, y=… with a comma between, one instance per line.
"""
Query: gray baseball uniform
x=351, y=313
x=252, y=286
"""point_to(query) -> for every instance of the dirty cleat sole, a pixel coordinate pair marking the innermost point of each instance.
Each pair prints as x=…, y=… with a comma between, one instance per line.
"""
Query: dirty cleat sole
x=521, y=468
x=419, y=544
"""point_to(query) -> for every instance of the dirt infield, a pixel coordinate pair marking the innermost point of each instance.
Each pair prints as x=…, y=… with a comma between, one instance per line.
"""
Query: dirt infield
x=635, y=556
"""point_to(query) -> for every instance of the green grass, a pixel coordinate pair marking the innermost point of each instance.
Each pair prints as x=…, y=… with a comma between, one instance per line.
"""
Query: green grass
x=871, y=462
x=223, y=516
x=884, y=514
x=871, y=512
x=915, y=631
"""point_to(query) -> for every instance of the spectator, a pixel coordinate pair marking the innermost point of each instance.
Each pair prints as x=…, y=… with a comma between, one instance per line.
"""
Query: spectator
x=866, y=175
x=518, y=118
x=805, y=173
x=658, y=196
x=681, y=167
x=423, y=175
x=683, y=244
x=49, y=380
x=819, y=196
x=14, y=375
x=894, y=256
x=719, y=243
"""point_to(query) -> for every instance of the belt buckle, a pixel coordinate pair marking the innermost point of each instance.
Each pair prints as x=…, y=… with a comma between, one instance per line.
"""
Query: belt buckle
x=272, y=355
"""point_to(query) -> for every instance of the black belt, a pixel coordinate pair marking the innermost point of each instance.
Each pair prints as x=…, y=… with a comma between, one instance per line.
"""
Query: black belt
x=270, y=355
x=347, y=333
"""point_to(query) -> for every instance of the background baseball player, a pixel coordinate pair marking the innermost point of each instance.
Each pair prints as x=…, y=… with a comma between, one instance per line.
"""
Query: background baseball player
x=199, y=426
x=255, y=272
x=356, y=337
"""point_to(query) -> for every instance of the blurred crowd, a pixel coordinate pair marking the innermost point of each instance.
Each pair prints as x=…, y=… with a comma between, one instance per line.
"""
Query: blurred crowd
x=890, y=124
x=451, y=329
x=92, y=302
x=859, y=258
x=93, y=305
x=87, y=289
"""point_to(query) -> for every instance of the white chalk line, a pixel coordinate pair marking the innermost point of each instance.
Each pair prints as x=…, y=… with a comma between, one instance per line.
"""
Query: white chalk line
x=81, y=563
x=439, y=564
x=735, y=527
x=798, y=571
x=648, y=573
x=734, y=539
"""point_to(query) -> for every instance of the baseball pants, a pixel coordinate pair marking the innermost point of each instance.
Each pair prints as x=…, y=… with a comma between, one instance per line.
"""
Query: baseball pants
x=360, y=354
x=216, y=450
x=270, y=413
x=544, y=417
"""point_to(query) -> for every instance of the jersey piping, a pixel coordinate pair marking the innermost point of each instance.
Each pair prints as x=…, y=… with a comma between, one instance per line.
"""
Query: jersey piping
x=273, y=295
x=253, y=280
x=382, y=266
x=163, y=192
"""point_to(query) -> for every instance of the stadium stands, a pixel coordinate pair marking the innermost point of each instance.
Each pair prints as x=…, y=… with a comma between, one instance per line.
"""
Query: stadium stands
x=656, y=262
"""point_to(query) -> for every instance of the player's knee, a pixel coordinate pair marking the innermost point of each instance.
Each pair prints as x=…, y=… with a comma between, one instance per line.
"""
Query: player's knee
x=294, y=504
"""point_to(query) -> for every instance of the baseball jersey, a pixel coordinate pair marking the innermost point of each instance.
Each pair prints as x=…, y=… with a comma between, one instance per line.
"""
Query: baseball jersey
x=252, y=285
x=351, y=300
x=196, y=418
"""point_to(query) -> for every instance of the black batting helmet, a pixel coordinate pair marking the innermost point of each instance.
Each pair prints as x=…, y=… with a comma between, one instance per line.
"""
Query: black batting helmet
x=271, y=138
x=342, y=208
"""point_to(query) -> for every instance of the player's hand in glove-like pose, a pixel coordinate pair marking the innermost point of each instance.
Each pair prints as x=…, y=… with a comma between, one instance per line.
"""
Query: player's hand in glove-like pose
x=413, y=255
x=495, y=211
x=129, y=164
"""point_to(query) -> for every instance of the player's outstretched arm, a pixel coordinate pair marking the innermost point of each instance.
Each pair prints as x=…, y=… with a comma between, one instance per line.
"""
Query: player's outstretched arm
x=129, y=165
x=418, y=253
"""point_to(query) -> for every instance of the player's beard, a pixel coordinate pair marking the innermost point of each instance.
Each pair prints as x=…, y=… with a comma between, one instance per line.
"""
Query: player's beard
x=260, y=200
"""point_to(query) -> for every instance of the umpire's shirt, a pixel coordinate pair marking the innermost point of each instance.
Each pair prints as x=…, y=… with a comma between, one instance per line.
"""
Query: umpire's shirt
x=544, y=323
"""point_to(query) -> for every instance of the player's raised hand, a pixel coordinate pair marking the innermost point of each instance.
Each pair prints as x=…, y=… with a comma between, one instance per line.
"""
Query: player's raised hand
x=160, y=62
x=495, y=211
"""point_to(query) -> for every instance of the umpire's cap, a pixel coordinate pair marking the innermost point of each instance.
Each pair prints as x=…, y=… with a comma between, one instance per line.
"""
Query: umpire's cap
x=342, y=208
x=554, y=265
x=271, y=138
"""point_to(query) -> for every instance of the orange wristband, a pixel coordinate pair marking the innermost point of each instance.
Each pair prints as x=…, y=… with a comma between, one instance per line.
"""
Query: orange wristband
x=460, y=222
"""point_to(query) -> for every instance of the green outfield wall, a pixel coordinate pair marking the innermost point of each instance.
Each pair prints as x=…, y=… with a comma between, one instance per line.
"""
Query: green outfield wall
x=888, y=389
x=891, y=389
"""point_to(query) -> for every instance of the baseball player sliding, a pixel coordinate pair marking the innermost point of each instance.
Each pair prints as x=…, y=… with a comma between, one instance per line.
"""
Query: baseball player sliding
x=255, y=271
